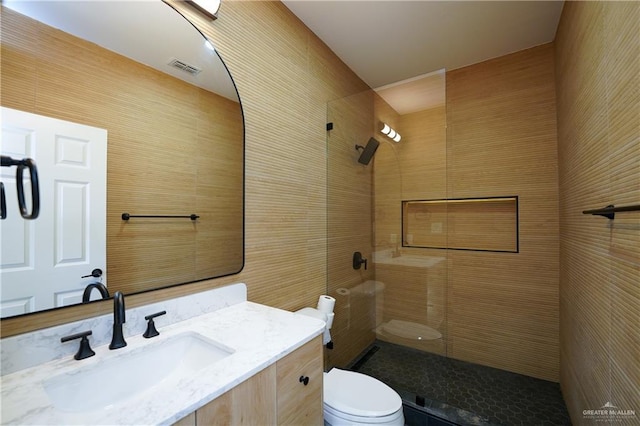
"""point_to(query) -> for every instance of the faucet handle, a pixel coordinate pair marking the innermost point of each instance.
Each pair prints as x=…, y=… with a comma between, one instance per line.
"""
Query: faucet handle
x=151, y=326
x=85, y=350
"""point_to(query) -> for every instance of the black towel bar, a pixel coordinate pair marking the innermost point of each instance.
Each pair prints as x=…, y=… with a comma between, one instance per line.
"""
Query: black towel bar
x=610, y=211
x=127, y=216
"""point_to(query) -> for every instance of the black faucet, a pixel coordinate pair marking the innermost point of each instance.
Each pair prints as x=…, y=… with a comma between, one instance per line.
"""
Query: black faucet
x=117, y=340
x=98, y=286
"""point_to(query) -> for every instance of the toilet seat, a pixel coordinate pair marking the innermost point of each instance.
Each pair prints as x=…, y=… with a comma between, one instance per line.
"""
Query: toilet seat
x=338, y=418
x=359, y=396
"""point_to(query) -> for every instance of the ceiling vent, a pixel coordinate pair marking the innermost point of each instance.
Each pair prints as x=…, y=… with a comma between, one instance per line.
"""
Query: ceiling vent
x=191, y=69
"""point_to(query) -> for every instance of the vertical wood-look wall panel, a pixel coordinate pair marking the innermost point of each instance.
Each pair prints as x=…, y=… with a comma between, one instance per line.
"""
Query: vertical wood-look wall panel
x=597, y=55
x=501, y=141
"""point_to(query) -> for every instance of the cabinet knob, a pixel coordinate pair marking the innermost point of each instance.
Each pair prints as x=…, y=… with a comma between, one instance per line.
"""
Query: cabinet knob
x=304, y=380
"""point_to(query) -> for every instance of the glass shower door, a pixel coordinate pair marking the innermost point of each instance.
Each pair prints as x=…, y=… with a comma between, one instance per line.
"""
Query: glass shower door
x=397, y=306
x=349, y=227
x=414, y=276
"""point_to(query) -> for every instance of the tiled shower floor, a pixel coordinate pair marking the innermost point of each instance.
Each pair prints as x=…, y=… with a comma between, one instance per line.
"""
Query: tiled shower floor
x=464, y=393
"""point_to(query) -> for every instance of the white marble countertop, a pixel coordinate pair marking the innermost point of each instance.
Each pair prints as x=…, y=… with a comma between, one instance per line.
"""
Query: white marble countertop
x=258, y=334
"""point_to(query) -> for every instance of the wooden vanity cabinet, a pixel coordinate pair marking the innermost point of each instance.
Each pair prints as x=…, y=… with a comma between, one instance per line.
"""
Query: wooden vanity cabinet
x=276, y=395
x=299, y=385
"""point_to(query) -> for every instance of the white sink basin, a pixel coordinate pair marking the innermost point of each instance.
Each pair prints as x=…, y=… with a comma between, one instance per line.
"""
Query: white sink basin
x=120, y=377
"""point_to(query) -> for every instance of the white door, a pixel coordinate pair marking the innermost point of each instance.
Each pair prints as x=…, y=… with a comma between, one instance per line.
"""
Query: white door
x=42, y=260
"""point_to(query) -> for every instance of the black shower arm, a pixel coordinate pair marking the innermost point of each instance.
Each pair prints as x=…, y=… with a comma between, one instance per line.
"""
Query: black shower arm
x=25, y=163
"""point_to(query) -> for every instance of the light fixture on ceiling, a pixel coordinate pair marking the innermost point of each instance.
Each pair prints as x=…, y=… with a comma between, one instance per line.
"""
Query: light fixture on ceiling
x=208, y=7
x=386, y=130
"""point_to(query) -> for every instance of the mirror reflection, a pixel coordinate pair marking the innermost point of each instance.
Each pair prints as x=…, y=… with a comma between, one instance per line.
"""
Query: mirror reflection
x=126, y=108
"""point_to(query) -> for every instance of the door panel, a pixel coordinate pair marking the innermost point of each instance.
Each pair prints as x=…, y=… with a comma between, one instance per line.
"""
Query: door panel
x=71, y=235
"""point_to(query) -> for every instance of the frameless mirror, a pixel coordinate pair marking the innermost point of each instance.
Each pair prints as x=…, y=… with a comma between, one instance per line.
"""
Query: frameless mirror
x=126, y=109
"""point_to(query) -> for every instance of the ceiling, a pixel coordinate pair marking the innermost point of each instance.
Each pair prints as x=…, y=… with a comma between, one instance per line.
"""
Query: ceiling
x=386, y=42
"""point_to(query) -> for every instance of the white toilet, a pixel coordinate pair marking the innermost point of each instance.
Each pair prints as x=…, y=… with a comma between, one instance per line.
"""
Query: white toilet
x=352, y=398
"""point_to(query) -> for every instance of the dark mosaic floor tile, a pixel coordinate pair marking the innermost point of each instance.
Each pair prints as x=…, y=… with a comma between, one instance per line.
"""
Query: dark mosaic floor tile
x=465, y=390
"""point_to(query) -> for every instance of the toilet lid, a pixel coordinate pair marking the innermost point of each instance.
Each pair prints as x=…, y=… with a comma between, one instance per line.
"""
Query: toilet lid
x=358, y=394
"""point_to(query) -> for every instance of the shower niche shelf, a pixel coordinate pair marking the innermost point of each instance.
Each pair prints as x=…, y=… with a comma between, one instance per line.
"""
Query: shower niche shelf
x=480, y=224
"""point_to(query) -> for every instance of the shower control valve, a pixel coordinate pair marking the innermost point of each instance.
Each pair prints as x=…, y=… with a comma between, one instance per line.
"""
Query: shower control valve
x=358, y=260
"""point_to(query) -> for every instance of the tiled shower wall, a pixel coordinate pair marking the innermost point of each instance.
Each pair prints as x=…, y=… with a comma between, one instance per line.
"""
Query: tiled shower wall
x=501, y=141
x=501, y=309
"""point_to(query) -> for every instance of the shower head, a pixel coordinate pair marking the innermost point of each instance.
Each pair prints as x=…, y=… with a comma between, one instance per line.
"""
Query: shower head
x=367, y=151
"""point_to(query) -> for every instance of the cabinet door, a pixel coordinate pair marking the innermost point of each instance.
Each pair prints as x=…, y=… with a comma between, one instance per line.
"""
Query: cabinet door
x=190, y=420
x=252, y=402
x=300, y=403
